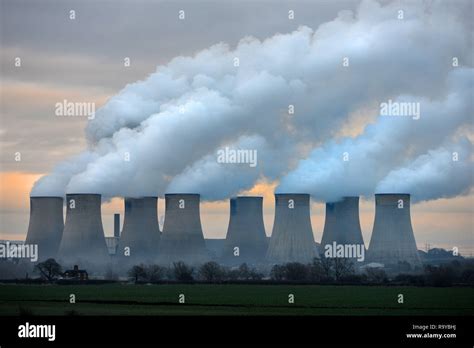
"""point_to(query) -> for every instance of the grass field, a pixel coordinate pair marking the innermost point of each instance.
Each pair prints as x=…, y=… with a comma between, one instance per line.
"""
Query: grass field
x=200, y=299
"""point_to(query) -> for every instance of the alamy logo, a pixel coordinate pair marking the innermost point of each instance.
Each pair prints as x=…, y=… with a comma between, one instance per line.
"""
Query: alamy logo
x=67, y=108
x=334, y=250
x=409, y=109
x=19, y=251
x=37, y=331
x=228, y=155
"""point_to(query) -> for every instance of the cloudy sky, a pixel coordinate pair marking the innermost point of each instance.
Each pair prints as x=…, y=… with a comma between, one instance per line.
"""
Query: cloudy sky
x=183, y=97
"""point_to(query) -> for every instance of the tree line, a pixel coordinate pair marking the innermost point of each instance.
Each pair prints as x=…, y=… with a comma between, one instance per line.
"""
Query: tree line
x=319, y=271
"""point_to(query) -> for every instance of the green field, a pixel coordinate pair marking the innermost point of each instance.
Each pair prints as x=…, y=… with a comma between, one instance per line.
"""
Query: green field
x=213, y=299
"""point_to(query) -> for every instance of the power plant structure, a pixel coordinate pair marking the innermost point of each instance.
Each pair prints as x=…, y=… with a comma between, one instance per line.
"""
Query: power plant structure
x=46, y=225
x=246, y=241
x=292, y=236
x=392, y=238
x=182, y=238
x=117, y=225
x=83, y=236
x=140, y=235
x=342, y=225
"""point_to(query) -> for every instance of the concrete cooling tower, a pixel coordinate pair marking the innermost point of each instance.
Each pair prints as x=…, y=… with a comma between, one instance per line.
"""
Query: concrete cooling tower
x=342, y=225
x=46, y=225
x=182, y=238
x=140, y=234
x=83, y=236
x=246, y=240
x=292, y=236
x=392, y=236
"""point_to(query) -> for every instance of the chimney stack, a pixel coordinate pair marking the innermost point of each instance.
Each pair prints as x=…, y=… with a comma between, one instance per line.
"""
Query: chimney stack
x=116, y=225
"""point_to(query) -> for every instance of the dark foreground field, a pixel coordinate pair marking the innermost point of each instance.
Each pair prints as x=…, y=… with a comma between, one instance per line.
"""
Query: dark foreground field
x=200, y=299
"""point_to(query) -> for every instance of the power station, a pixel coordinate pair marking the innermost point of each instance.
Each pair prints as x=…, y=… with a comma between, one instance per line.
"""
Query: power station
x=342, y=225
x=292, y=236
x=246, y=241
x=140, y=237
x=182, y=238
x=46, y=225
x=83, y=236
x=392, y=238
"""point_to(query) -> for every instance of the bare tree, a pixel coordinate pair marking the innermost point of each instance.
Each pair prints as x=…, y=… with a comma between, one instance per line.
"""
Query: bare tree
x=154, y=273
x=137, y=272
x=211, y=272
x=277, y=272
x=244, y=271
x=255, y=275
x=343, y=267
x=316, y=271
x=327, y=266
x=49, y=269
x=296, y=271
x=183, y=272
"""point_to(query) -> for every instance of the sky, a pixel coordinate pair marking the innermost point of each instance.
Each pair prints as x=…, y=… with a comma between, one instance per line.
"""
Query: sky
x=187, y=64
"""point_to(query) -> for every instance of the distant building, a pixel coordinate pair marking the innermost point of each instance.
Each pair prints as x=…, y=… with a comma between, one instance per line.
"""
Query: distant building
x=76, y=274
x=437, y=256
x=373, y=265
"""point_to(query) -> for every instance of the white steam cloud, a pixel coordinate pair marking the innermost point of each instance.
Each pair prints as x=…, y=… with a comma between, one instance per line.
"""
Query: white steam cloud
x=397, y=153
x=162, y=134
x=443, y=172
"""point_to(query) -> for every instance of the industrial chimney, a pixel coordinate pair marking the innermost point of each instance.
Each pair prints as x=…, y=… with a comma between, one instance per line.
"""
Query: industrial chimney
x=83, y=236
x=292, y=236
x=342, y=226
x=246, y=240
x=117, y=226
x=392, y=238
x=140, y=234
x=182, y=238
x=46, y=225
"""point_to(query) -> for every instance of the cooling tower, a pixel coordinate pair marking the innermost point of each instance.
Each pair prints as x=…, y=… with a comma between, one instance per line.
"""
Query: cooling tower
x=182, y=238
x=292, y=236
x=342, y=225
x=140, y=234
x=83, y=236
x=246, y=240
x=392, y=236
x=46, y=225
